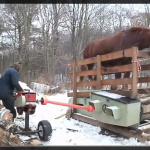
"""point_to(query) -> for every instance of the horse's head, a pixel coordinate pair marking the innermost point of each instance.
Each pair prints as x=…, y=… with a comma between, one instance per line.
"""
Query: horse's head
x=142, y=35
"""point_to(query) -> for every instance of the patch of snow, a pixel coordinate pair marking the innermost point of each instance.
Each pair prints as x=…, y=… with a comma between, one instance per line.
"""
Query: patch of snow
x=108, y=94
x=25, y=87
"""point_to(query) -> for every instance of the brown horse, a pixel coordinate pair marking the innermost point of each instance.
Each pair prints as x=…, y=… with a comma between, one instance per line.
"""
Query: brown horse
x=133, y=37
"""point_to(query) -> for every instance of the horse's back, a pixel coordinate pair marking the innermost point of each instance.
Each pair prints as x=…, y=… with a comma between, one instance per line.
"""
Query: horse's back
x=96, y=47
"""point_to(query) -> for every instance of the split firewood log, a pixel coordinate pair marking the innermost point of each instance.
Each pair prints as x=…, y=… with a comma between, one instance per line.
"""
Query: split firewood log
x=6, y=124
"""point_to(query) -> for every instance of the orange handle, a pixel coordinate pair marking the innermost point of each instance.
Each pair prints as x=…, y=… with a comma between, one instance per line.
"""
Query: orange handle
x=89, y=108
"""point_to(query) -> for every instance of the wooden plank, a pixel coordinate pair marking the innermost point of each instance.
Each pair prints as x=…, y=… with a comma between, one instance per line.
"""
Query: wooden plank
x=117, y=54
x=116, y=69
x=74, y=85
x=124, y=68
x=106, y=57
x=145, y=67
x=105, y=71
x=98, y=83
x=86, y=61
x=79, y=94
x=103, y=82
x=110, y=70
x=134, y=74
x=122, y=81
x=86, y=83
x=144, y=80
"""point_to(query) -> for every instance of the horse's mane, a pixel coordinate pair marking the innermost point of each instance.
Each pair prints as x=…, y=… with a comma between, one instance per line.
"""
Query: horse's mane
x=134, y=29
x=137, y=29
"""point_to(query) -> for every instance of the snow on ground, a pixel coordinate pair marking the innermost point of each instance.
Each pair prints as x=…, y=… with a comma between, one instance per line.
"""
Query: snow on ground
x=25, y=87
x=86, y=134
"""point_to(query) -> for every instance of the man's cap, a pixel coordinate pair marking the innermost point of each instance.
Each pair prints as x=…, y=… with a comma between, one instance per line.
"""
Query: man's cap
x=17, y=65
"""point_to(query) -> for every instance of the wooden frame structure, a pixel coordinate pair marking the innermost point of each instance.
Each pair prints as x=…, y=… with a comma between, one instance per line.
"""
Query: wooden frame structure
x=142, y=133
x=134, y=53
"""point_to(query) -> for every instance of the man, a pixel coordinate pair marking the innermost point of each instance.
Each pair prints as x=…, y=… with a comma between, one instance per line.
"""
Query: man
x=9, y=82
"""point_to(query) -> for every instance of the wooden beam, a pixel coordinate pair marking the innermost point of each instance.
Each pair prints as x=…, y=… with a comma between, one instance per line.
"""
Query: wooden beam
x=79, y=94
x=145, y=67
x=105, y=71
x=74, y=85
x=111, y=82
x=98, y=83
x=134, y=73
x=116, y=69
x=110, y=56
x=86, y=61
x=110, y=70
x=122, y=81
x=86, y=83
x=106, y=57
x=117, y=54
x=144, y=80
x=103, y=82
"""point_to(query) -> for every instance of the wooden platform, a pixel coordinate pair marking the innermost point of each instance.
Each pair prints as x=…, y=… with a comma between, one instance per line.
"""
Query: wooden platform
x=142, y=134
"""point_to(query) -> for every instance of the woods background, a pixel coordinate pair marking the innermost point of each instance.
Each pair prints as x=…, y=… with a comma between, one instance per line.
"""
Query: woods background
x=46, y=37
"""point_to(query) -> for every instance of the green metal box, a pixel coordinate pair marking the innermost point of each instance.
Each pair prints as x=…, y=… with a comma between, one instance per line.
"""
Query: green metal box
x=112, y=108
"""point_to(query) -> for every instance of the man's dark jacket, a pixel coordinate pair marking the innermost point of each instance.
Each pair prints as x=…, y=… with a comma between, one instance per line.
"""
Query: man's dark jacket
x=8, y=82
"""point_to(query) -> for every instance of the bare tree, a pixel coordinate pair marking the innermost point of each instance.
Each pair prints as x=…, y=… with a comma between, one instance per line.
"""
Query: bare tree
x=101, y=21
x=18, y=26
x=147, y=14
x=48, y=36
x=79, y=16
x=119, y=17
x=49, y=18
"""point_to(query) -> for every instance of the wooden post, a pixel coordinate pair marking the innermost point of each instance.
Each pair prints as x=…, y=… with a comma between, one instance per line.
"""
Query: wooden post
x=134, y=83
x=74, y=85
x=98, y=84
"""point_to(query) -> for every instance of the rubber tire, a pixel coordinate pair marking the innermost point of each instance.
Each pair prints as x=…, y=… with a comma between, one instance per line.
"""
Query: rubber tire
x=46, y=128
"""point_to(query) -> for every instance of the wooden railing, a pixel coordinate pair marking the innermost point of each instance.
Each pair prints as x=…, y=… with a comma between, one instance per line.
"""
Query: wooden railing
x=134, y=53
